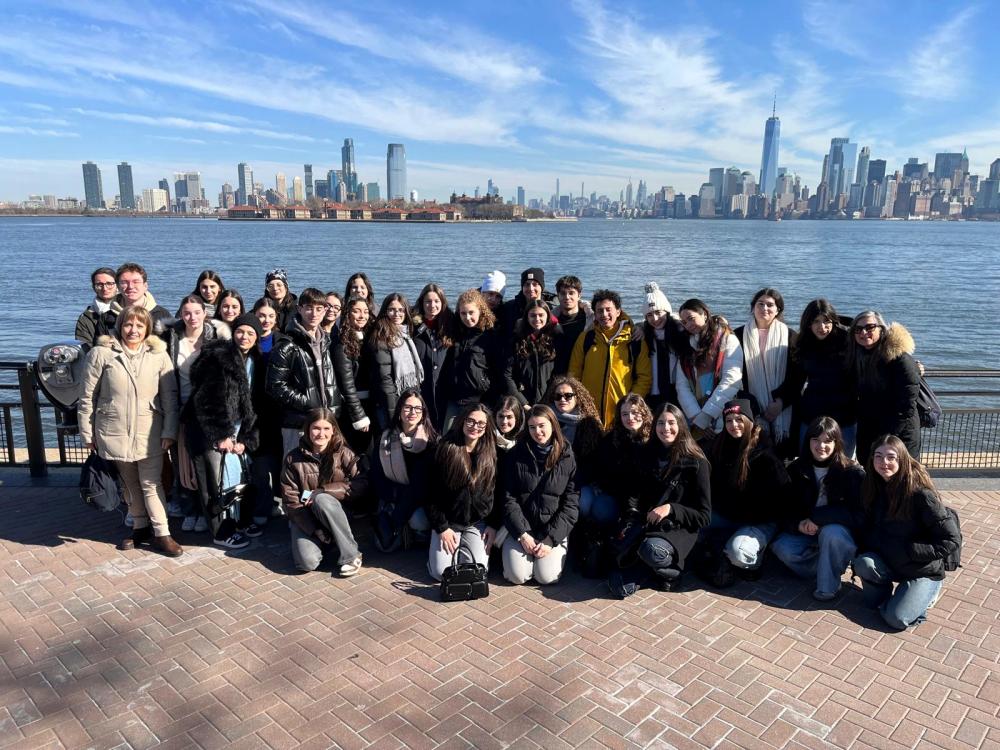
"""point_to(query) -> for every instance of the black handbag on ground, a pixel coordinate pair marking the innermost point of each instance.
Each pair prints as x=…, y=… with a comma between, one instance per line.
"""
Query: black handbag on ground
x=234, y=490
x=463, y=581
x=99, y=485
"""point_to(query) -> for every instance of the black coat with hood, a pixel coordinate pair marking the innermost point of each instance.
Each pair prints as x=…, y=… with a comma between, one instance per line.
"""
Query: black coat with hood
x=527, y=374
x=299, y=381
x=822, y=367
x=543, y=502
x=914, y=546
x=438, y=362
x=220, y=398
x=843, y=495
x=477, y=367
x=460, y=504
x=675, y=340
x=686, y=487
x=352, y=378
x=763, y=498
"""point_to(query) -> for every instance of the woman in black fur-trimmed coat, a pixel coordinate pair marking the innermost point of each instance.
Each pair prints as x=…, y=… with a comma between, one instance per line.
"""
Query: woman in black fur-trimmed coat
x=221, y=420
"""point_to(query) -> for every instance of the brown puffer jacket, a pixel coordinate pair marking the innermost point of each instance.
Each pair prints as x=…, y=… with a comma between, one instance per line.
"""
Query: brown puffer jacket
x=301, y=474
x=128, y=402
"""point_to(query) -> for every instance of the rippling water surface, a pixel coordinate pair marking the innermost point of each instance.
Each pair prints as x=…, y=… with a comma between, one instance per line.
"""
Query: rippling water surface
x=942, y=280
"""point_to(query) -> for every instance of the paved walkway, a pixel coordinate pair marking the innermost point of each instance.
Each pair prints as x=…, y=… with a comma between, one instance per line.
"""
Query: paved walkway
x=100, y=648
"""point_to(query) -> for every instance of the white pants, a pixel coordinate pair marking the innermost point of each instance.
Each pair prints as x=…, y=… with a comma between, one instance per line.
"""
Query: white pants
x=519, y=567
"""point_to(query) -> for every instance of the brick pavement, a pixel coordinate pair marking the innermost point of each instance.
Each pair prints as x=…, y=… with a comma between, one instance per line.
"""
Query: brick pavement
x=100, y=648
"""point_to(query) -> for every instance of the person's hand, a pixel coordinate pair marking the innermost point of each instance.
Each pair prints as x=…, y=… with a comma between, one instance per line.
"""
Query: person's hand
x=773, y=410
x=489, y=536
x=808, y=528
x=365, y=428
x=528, y=543
x=323, y=535
x=449, y=541
x=658, y=514
x=541, y=550
x=225, y=446
x=239, y=448
x=167, y=443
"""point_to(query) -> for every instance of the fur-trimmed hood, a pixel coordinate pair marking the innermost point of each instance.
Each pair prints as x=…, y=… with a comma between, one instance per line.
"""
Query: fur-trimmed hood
x=153, y=343
x=898, y=342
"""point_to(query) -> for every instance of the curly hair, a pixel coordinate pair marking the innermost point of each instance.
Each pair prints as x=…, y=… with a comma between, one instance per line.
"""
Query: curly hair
x=527, y=343
x=590, y=430
x=349, y=340
x=474, y=297
x=619, y=433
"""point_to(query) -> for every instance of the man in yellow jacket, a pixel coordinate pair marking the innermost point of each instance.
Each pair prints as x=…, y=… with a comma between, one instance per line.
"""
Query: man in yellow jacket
x=607, y=361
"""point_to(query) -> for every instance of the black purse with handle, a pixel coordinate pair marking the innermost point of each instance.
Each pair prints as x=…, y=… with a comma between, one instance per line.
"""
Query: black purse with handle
x=464, y=581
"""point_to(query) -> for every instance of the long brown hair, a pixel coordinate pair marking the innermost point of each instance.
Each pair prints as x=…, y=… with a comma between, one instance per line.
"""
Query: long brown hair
x=445, y=319
x=544, y=342
x=348, y=334
x=900, y=488
x=619, y=433
x=749, y=441
x=460, y=468
x=704, y=351
x=684, y=445
x=558, y=441
x=385, y=332
x=327, y=459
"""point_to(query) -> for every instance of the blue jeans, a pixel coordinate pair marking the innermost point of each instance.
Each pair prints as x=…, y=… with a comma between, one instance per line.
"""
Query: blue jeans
x=597, y=506
x=905, y=606
x=824, y=556
x=747, y=544
x=660, y=555
x=849, y=433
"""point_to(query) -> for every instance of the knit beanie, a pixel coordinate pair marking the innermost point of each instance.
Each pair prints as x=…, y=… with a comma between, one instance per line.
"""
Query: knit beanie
x=250, y=321
x=533, y=274
x=495, y=281
x=738, y=406
x=276, y=273
x=656, y=299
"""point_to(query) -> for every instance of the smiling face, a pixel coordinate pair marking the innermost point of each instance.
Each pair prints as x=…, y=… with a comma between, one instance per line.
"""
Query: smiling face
x=694, y=321
x=540, y=430
x=531, y=290
x=411, y=414
x=358, y=288
x=359, y=314
x=631, y=417
x=765, y=311
x=569, y=300
x=822, y=447
x=230, y=309
x=537, y=318
x=312, y=316
x=469, y=314
x=332, y=308
x=193, y=316
x=867, y=331
x=657, y=318
x=208, y=290
x=133, y=333
x=474, y=426
x=268, y=319
x=132, y=287
x=886, y=462
x=506, y=421
x=276, y=289
x=396, y=312
x=320, y=435
x=666, y=428
x=431, y=305
x=735, y=426
x=606, y=314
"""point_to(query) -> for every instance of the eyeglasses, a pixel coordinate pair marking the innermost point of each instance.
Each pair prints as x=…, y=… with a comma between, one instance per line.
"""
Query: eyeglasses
x=413, y=410
x=869, y=328
x=564, y=396
x=126, y=284
x=474, y=424
x=104, y=284
x=889, y=458
x=394, y=312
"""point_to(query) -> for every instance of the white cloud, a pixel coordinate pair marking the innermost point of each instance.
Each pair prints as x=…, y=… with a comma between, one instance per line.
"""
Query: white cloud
x=45, y=133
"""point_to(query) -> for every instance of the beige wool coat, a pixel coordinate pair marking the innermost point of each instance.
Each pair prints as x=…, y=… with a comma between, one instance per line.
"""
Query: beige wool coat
x=128, y=404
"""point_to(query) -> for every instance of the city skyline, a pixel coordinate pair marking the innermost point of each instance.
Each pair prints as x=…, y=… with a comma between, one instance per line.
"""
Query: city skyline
x=587, y=92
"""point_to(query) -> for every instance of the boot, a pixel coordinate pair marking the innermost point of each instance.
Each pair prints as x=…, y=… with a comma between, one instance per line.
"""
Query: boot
x=168, y=546
x=138, y=537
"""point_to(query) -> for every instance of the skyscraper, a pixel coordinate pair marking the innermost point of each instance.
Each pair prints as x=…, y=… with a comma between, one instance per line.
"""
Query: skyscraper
x=297, y=194
x=520, y=195
x=864, y=160
x=395, y=171
x=126, y=191
x=840, y=164
x=769, y=157
x=308, y=168
x=349, y=172
x=244, y=193
x=716, y=176
x=92, y=187
x=281, y=184
x=165, y=186
x=373, y=193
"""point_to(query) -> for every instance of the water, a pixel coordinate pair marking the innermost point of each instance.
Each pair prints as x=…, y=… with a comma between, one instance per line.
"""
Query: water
x=942, y=280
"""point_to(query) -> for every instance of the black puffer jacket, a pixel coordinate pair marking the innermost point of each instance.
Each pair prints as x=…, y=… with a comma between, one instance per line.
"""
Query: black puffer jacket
x=477, y=368
x=352, y=377
x=618, y=464
x=843, y=495
x=268, y=410
x=527, y=377
x=687, y=488
x=916, y=546
x=675, y=339
x=822, y=367
x=294, y=376
x=461, y=506
x=438, y=362
x=220, y=397
x=763, y=497
x=887, y=402
x=542, y=502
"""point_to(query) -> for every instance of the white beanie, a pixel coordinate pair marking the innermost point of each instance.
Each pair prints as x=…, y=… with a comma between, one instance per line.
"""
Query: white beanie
x=655, y=299
x=495, y=281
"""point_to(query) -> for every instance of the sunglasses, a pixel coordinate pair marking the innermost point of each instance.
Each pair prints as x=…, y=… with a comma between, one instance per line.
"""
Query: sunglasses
x=565, y=396
x=870, y=328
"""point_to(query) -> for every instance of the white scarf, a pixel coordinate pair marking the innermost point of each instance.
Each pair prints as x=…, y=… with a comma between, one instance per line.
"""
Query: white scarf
x=766, y=370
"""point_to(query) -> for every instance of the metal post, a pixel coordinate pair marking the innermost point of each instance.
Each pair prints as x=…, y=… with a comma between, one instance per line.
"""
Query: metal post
x=32, y=422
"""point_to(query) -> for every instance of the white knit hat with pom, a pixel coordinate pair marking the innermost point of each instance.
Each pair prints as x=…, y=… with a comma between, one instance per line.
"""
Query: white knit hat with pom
x=656, y=299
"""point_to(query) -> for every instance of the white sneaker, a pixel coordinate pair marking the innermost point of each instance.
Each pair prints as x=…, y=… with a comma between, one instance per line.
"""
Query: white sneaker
x=128, y=520
x=351, y=569
x=189, y=523
x=174, y=510
x=201, y=524
x=235, y=541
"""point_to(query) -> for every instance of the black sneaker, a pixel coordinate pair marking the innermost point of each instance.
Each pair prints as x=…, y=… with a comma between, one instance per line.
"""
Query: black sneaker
x=236, y=540
x=253, y=531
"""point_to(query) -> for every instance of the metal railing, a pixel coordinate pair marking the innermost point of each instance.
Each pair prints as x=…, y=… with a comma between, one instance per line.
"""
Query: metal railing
x=33, y=434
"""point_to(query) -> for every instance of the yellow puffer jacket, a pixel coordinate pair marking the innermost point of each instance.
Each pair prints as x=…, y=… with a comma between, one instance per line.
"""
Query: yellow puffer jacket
x=608, y=370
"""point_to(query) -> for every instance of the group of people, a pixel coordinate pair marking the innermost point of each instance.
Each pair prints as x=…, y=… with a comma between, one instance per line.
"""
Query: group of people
x=533, y=428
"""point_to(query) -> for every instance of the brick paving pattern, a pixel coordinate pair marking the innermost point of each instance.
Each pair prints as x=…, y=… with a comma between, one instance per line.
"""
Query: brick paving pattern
x=101, y=648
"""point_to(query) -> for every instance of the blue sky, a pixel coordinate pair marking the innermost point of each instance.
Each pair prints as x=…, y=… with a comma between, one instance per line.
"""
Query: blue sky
x=524, y=93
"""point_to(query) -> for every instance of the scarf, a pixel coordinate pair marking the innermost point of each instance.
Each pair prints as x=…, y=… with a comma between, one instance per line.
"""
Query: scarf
x=390, y=452
x=503, y=443
x=407, y=372
x=567, y=423
x=766, y=370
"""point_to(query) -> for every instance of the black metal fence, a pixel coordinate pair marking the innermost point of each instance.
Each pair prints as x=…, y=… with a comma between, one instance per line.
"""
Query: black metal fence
x=33, y=433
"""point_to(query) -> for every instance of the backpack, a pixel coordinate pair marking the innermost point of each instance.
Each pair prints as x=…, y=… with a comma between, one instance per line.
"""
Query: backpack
x=954, y=559
x=634, y=346
x=928, y=407
x=99, y=486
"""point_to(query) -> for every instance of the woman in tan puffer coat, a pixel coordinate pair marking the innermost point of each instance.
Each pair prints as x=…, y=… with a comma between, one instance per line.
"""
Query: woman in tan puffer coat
x=128, y=414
